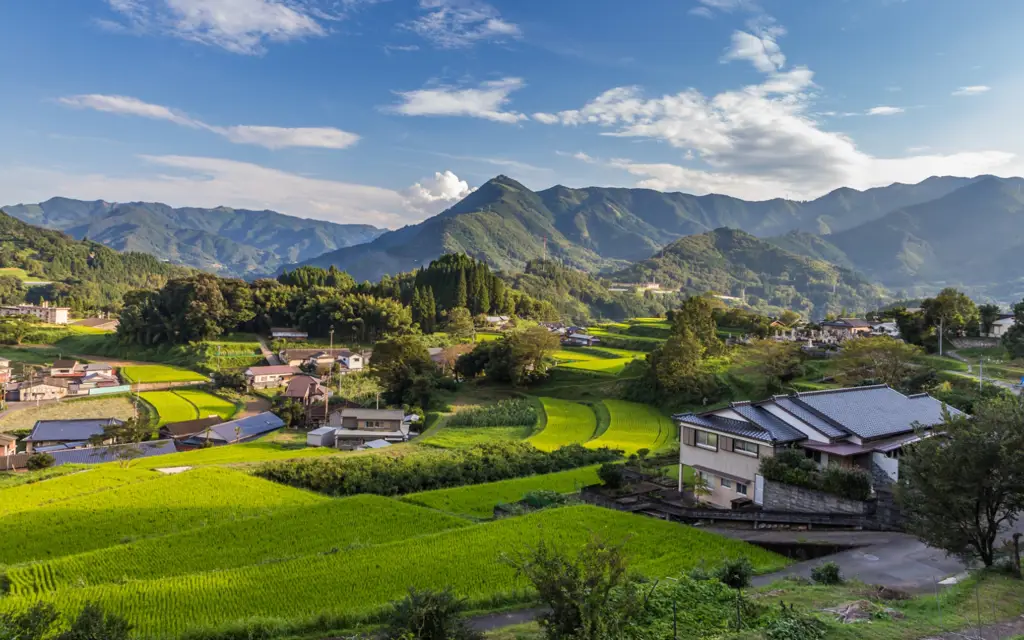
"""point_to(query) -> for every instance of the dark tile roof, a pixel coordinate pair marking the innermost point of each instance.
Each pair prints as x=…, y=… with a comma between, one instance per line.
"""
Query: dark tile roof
x=876, y=411
x=248, y=428
x=726, y=425
x=303, y=386
x=189, y=427
x=68, y=430
x=97, y=455
x=273, y=370
x=807, y=415
x=779, y=430
x=64, y=364
x=372, y=414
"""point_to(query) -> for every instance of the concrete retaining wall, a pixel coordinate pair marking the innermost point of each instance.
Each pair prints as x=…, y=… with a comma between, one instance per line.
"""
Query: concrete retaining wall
x=785, y=497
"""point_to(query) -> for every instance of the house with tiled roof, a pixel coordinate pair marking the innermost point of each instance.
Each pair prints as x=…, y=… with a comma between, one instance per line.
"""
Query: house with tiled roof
x=864, y=427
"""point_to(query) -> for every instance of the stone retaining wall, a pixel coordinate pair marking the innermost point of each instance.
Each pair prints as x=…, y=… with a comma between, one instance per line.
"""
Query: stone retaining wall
x=786, y=497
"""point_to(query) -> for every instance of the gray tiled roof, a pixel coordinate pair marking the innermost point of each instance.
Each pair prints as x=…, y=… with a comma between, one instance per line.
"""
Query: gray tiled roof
x=248, y=428
x=97, y=455
x=875, y=412
x=726, y=425
x=68, y=430
x=779, y=430
x=808, y=416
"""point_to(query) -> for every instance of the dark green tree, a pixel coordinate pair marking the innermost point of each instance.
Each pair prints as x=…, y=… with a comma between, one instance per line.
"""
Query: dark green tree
x=129, y=436
x=93, y=623
x=459, y=324
x=1013, y=339
x=987, y=315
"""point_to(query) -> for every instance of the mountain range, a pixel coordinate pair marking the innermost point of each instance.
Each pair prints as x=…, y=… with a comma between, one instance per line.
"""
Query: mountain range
x=229, y=242
x=597, y=228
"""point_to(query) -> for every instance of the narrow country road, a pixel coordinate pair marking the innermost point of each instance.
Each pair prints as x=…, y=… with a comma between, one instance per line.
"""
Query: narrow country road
x=269, y=355
x=974, y=376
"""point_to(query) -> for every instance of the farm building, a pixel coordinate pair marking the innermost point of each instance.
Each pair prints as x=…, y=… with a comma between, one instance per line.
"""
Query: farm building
x=55, y=435
x=285, y=333
x=581, y=340
x=270, y=376
x=236, y=431
x=187, y=428
x=322, y=437
x=8, y=444
x=376, y=444
x=318, y=357
x=305, y=389
x=354, y=428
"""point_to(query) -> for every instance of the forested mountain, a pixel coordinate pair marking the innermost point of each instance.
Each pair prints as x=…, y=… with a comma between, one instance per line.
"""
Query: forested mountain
x=222, y=240
x=731, y=262
x=83, y=275
x=507, y=225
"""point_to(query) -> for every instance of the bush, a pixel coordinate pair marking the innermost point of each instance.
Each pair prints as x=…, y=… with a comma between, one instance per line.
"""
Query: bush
x=542, y=499
x=428, y=470
x=429, y=615
x=93, y=624
x=611, y=475
x=792, y=625
x=735, y=573
x=507, y=413
x=33, y=624
x=39, y=461
x=791, y=466
x=827, y=573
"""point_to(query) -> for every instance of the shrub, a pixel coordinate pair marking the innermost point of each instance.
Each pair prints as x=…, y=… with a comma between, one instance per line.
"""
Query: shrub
x=735, y=573
x=611, y=475
x=543, y=499
x=827, y=573
x=791, y=466
x=507, y=413
x=854, y=484
x=94, y=624
x=792, y=625
x=39, y=461
x=33, y=624
x=429, y=615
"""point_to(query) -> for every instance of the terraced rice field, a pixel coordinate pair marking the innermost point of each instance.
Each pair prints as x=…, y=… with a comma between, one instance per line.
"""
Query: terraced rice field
x=134, y=510
x=635, y=426
x=466, y=559
x=54, y=492
x=567, y=423
x=187, y=404
x=478, y=501
x=596, y=359
x=262, y=450
x=457, y=437
x=331, y=526
x=160, y=373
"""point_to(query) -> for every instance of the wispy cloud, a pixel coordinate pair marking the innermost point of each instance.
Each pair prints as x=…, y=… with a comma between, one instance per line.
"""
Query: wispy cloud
x=264, y=136
x=211, y=182
x=486, y=101
x=453, y=24
x=507, y=163
x=973, y=90
x=761, y=49
x=884, y=111
x=239, y=26
x=388, y=48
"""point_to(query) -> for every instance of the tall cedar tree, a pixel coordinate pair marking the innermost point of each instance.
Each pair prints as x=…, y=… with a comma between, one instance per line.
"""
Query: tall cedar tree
x=1013, y=339
x=460, y=290
x=697, y=315
x=963, y=488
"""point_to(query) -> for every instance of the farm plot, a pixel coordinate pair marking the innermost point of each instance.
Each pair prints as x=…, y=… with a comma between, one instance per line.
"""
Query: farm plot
x=633, y=427
x=100, y=407
x=596, y=359
x=159, y=373
x=207, y=404
x=465, y=559
x=262, y=450
x=567, y=423
x=478, y=501
x=170, y=406
x=458, y=437
x=162, y=506
x=55, y=491
x=333, y=526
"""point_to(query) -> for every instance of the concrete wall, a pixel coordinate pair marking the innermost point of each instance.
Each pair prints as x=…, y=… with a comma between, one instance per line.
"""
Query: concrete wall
x=160, y=386
x=785, y=497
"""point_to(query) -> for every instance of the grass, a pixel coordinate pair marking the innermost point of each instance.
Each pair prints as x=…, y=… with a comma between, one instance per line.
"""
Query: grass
x=361, y=581
x=28, y=355
x=162, y=506
x=457, y=437
x=97, y=480
x=265, y=449
x=567, y=423
x=331, y=526
x=160, y=373
x=488, y=336
x=478, y=501
x=596, y=359
x=12, y=479
x=187, y=404
x=635, y=426
x=18, y=273
x=119, y=406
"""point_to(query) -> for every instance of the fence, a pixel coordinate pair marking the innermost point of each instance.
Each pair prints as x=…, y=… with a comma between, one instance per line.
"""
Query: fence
x=101, y=391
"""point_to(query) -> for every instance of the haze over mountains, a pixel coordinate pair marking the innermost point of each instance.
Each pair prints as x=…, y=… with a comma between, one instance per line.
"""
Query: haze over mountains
x=230, y=242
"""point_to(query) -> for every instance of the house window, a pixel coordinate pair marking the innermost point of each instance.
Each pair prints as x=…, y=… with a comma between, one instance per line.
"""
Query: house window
x=813, y=455
x=741, y=488
x=727, y=483
x=706, y=440
x=746, y=448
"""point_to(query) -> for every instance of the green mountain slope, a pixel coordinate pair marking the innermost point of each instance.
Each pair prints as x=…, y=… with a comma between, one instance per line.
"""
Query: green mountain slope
x=223, y=240
x=731, y=262
x=506, y=224
x=84, y=275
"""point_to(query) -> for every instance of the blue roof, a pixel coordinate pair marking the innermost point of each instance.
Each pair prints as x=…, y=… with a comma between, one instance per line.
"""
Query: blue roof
x=876, y=411
x=247, y=428
x=726, y=425
x=68, y=430
x=97, y=455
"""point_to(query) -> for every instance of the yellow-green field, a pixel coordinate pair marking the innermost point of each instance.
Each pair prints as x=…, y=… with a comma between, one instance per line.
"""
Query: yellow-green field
x=567, y=423
x=635, y=426
x=596, y=359
x=159, y=373
x=187, y=404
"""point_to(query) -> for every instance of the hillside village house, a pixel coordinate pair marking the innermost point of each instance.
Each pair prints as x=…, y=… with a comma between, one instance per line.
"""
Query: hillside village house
x=64, y=368
x=46, y=313
x=8, y=445
x=356, y=427
x=580, y=340
x=270, y=376
x=1001, y=326
x=324, y=358
x=5, y=370
x=863, y=427
x=846, y=328
x=305, y=389
x=39, y=390
x=57, y=435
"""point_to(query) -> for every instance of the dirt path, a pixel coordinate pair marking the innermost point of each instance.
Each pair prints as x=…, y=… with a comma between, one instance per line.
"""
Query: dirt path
x=268, y=355
x=254, y=405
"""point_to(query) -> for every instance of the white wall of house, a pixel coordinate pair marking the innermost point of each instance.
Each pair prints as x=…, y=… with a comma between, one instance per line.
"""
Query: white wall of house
x=1000, y=327
x=796, y=423
x=731, y=466
x=891, y=466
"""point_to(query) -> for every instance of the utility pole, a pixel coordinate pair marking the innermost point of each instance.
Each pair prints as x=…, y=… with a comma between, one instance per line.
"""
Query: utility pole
x=327, y=387
x=941, y=323
x=981, y=373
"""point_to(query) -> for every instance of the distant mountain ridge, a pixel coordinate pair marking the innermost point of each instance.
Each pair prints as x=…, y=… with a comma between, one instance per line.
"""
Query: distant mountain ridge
x=507, y=224
x=230, y=242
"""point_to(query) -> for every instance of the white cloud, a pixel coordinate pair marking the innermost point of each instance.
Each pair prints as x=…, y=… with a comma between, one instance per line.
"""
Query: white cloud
x=759, y=141
x=453, y=24
x=730, y=5
x=269, y=137
x=884, y=111
x=703, y=12
x=761, y=50
x=211, y=182
x=444, y=189
x=546, y=118
x=973, y=90
x=239, y=26
x=486, y=101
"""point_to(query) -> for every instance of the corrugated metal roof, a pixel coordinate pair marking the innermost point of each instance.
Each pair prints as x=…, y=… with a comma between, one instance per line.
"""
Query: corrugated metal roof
x=68, y=430
x=322, y=431
x=243, y=428
x=876, y=411
x=98, y=455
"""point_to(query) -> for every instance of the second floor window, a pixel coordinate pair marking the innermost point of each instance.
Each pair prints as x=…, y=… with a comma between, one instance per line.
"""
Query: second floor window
x=746, y=448
x=707, y=440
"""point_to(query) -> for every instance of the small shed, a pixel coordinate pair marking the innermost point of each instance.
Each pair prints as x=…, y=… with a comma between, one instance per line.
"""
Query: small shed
x=375, y=444
x=322, y=437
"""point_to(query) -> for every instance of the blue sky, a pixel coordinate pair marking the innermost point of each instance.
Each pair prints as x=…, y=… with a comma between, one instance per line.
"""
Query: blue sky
x=388, y=111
